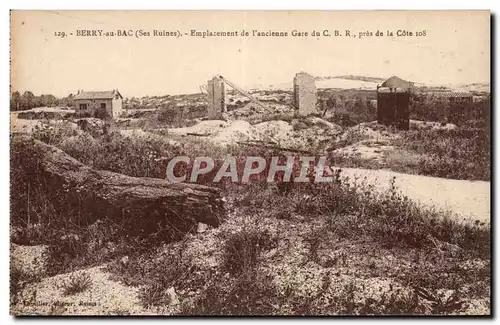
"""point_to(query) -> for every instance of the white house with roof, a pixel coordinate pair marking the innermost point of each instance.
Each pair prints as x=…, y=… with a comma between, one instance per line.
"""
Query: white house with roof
x=100, y=104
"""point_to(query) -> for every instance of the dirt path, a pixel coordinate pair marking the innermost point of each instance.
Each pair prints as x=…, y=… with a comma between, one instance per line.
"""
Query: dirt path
x=467, y=199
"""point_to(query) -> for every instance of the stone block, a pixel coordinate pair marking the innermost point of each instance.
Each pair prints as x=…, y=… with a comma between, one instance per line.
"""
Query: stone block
x=304, y=94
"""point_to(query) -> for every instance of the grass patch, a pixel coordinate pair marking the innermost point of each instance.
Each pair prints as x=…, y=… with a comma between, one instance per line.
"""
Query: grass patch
x=389, y=217
x=133, y=156
x=457, y=154
x=77, y=283
x=242, y=249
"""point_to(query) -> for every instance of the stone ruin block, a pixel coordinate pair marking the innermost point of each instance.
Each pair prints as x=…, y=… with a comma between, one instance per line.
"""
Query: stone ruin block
x=304, y=88
x=216, y=98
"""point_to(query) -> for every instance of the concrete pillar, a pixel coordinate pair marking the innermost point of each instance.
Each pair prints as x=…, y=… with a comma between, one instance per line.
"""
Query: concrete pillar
x=304, y=88
x=216, y=98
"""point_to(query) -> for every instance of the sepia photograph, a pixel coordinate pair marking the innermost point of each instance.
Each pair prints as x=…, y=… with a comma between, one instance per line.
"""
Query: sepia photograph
x=250, y=163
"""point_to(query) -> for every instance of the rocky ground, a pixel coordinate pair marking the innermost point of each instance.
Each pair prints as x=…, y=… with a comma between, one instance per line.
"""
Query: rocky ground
x=303, y=267
x=364, y=274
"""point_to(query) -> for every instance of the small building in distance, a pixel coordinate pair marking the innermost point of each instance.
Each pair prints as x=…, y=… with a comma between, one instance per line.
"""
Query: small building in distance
x=100, y=104
x=393, y=102
x=458, y=106
x=453, y=97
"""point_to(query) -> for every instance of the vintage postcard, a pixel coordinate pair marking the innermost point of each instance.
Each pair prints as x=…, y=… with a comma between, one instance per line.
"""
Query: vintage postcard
x=250, y=163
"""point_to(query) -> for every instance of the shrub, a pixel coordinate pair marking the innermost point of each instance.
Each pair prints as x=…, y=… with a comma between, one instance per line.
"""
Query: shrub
x=168, y=114
x=155, y=273
x=31, y=203
x=457, y=154
x=77, y=283
x=54, y=133
x=251, y=293
x=241, y=249
x=174, y=116
x=18, y=282
x=133, y=156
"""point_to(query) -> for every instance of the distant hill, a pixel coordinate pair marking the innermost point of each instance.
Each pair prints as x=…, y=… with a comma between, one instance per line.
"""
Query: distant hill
x=328, y=82
x=370, y=83
x=342, y=83
x=360, y=78
x=473, y=87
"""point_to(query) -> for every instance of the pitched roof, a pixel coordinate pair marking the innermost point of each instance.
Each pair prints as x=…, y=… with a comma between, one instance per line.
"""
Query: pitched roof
x=97, y=94
x=396, y=82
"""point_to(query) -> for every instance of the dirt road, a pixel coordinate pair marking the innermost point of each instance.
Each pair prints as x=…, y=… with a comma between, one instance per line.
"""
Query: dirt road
x=466, y=199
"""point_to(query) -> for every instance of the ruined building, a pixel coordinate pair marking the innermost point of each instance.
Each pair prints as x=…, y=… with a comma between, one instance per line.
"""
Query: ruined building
x=393, y=102
x=216, y=95
x=304, y=88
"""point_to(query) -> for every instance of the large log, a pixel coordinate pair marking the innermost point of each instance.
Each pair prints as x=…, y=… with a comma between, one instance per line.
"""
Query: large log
x=138, y=202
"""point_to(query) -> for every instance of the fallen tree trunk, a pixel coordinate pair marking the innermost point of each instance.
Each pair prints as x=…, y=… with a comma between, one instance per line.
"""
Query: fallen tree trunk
x=141, y=204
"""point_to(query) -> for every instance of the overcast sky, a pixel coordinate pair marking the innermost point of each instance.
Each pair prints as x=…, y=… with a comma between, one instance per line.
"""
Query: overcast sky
x=456, y=49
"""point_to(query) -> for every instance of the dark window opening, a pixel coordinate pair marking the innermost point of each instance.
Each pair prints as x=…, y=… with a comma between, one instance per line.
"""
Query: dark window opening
x=103, y=105
x=83, y=106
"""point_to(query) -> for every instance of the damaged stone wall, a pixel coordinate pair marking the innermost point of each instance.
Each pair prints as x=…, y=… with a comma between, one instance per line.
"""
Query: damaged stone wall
x=304, y=88
x=216, y=98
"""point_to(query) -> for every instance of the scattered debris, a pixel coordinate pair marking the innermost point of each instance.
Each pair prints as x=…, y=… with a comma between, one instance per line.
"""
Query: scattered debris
x=124, y=260
x=202, y=227
x=172, y=296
